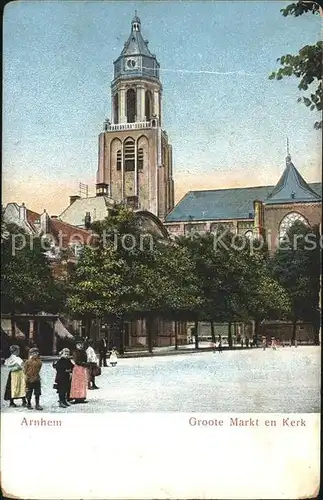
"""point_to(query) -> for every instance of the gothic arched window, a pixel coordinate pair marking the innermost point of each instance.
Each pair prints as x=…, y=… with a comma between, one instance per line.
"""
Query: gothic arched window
x=129, y=155
x=287, y=222
x=140, y=159
x=148, y=105
x=119, y=159
x=131, y=105
x=116, y=108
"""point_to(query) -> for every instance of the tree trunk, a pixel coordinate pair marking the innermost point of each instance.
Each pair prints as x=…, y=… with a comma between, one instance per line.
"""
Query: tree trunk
x=257, y=331
x=294, y=331
x=176, y=335
x=121, y=330
x=230, y=334
x=149, y=334
x=212, y=332
x=196, y=325
x=13, y=326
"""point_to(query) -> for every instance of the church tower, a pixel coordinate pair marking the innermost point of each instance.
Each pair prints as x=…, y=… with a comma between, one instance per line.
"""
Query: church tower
x=135, y=157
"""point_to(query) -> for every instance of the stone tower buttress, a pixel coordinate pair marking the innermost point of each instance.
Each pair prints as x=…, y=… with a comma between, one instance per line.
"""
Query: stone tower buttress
x=135, y=158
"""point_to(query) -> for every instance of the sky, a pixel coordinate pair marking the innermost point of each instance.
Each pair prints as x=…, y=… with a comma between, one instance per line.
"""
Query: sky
x=227, y=122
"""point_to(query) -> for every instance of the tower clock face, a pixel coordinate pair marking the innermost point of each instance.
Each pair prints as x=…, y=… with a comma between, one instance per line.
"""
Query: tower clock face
x=131, y=63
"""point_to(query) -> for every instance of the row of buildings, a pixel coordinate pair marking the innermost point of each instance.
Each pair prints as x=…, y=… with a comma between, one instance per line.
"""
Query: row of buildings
x=135, y=167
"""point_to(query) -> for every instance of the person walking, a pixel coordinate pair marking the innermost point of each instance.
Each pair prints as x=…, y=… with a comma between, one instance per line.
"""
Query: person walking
x=93, y=365
x=79, y=382
x=264, y=343
x=103, y=349
x=16, y=385
x=32, y=369
x=64, y=368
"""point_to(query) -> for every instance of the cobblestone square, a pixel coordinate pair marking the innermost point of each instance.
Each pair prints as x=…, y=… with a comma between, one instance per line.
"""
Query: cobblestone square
x=286, y=380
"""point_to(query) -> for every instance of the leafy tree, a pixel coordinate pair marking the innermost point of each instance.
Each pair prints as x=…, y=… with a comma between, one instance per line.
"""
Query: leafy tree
x=27, y=284
x=296, y=266
x=307, y=64
x=223, y=277
x=130, y=274
x=267, y=298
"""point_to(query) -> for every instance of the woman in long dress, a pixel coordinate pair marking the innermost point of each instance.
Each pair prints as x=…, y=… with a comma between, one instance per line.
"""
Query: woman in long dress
x=16, y=385
x=79, y=381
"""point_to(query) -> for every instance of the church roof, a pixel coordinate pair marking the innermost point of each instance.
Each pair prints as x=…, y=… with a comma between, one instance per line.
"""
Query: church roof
x=291, y=187
x=224, y=204
x=95, y=205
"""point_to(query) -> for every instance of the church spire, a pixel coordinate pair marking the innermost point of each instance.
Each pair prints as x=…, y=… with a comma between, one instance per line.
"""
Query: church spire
x=135, y=23
x=136, y=60
x=288, y=157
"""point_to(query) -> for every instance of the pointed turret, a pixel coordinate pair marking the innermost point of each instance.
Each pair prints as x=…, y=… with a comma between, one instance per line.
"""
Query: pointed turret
x=291, y=187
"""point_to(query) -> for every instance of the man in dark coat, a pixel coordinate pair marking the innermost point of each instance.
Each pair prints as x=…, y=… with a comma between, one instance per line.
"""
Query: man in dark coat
x=103, y=349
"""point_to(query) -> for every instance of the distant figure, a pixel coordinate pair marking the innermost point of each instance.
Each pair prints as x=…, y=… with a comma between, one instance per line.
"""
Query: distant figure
x=290, y=343
x=32, y=369
x=247, y=342
x=16, y=386
x=220, y=345
x=264, y=343
x=295, y=342
x=103, y=349
x=241, y=342
x=113, y=360
x=273, y=343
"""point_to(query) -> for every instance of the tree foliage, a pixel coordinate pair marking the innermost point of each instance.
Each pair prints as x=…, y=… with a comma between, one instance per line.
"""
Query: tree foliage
x=27, y=283
x=131, y=272
x=306, y=65
x=296, y=266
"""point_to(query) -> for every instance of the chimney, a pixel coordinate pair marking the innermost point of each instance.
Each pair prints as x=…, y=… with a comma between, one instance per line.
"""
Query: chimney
x=74, y=198
x=87, y=220
x=23, y=212
x=44, y=220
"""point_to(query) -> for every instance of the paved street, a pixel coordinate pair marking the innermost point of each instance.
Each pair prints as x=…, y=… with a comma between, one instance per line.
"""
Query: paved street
x=286, y=380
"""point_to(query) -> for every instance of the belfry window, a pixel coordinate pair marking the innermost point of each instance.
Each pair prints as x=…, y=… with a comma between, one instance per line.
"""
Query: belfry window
x=140, y=159
x=119, y=159
x=129, y=155
x=116, y=108
x=148, y=110
x=131, y=106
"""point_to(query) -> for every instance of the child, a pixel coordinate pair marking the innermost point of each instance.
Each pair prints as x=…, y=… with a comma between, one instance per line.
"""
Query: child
x=32, y=368
x=63, y=367
x=113, y=360
x=93, y=365
x=15, y=387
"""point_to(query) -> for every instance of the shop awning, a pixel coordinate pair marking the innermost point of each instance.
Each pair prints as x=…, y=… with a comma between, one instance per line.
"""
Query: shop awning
x=61, y=331
x=6, y=327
